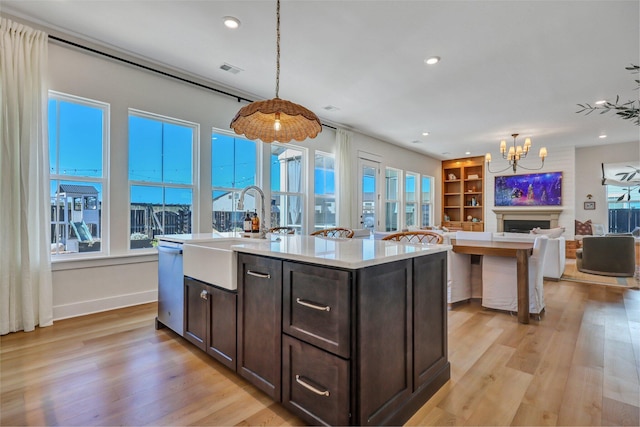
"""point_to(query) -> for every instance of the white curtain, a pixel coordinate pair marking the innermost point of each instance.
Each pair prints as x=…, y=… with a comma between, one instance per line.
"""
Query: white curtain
x=294, y=181
x=344, y=164
x=25, y=250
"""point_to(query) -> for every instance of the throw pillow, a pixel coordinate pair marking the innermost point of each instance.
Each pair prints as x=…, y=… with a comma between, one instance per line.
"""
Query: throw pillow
x=583, y=228
x=553, y=233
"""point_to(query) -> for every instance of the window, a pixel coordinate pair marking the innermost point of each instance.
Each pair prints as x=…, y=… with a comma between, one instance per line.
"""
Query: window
x=426, y=203
x=78, y=142
x=624, y=208
x=325, y=194
x=392, y=196
x=411, y=199
x=233, y=167
x=287, y=198
x=160, y=176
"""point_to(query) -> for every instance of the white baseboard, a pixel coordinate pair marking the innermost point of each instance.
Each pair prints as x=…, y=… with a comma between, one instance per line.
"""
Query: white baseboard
x=104, y=304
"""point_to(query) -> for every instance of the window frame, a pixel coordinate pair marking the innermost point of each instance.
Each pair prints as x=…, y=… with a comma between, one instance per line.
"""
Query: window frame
x=234, y=190
x=399, y=201
x=429, y=202
x=103, y=180
x=324, y=196
x=193, y=186
x=272, y=194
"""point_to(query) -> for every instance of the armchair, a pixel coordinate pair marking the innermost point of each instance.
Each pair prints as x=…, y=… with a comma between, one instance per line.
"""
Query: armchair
x=499, y=286
x=607, y=255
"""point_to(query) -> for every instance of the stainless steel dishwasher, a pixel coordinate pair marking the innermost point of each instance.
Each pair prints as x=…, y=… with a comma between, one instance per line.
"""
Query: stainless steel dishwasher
x=170, y=287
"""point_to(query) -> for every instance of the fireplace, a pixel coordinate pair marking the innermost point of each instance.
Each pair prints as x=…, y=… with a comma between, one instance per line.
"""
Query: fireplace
x=526, y=219
x=523, y=225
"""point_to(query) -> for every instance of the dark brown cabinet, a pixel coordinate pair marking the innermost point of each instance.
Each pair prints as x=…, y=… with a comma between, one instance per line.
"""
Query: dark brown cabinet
x=316, y=305
x=260, y=322
x=338, y=346
x=315, y=383
x=210, y=320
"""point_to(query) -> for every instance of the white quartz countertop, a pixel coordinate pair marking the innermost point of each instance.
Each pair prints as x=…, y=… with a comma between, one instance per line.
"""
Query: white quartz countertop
x=198, y=237
x=344, y=253
x=337, y=252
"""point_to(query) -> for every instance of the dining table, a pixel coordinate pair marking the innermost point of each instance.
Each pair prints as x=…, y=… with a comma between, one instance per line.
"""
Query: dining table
x=521, y=251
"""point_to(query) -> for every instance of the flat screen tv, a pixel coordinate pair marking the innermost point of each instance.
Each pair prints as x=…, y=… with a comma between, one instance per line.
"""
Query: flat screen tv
x=536, y=189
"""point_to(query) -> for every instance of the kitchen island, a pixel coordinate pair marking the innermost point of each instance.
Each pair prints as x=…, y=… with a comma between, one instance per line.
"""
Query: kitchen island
x=341, y=331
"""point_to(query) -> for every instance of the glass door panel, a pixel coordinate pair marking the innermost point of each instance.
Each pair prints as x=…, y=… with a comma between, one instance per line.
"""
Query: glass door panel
x=368, y=194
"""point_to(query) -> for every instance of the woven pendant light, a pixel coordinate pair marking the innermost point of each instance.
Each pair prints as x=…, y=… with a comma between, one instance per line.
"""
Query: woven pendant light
x=276, y=119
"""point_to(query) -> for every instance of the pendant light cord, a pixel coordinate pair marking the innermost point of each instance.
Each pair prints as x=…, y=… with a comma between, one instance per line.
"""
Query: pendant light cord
x=278, y=49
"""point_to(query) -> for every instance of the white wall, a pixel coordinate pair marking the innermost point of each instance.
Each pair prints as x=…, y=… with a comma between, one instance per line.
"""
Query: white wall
x=589, y=176
x=120, y=278
x=559, y=160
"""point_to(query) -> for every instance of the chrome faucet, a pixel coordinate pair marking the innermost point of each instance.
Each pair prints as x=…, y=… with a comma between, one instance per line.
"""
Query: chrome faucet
x=263, y=230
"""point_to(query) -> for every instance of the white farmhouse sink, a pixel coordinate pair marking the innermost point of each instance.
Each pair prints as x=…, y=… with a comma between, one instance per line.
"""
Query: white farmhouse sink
x=212, y=262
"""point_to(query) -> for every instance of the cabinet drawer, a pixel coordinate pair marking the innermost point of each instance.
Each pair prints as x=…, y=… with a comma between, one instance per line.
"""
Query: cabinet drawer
x=315, y=384
x=316, y=306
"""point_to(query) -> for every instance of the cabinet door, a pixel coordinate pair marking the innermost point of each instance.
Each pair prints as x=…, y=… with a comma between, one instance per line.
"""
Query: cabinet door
x=315, y=384
x=316, y=306
x=260, y=322
x=221, y=336
x=429, y=317
x=195, y=312
x=384, y=340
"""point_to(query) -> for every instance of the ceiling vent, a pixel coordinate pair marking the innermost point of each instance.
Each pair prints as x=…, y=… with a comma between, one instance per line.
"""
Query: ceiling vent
x=330, y=108
x=230, y=68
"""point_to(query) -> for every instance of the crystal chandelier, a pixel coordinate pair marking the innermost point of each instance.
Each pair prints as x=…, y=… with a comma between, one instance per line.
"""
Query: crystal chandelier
x=515, y=154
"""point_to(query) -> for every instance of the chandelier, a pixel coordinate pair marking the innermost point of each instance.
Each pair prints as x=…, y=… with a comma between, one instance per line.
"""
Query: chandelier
x=276, y=119
x=515, y=154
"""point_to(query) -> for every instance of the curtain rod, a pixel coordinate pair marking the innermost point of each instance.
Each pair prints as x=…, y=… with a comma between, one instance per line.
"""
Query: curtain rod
x=153, y=70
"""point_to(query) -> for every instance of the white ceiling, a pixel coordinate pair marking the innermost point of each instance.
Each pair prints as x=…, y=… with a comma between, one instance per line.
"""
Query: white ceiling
x=507, y=66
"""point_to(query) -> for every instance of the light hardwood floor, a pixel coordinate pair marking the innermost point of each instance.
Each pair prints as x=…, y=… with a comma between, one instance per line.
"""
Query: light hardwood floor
x=579, y=365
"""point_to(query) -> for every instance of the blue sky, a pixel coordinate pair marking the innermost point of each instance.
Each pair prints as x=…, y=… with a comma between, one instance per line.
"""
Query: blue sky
x=159, y=152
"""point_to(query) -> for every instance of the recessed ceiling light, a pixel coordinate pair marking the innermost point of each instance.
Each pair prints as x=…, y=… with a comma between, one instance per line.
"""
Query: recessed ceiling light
x=602, y=101
x=602, y=136
x=425, y=133
x=467, y=152
x=432, y=60
x=231, y=22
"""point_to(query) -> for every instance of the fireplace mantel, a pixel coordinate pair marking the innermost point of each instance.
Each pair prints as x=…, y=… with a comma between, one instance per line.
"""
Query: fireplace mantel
x=547, y=214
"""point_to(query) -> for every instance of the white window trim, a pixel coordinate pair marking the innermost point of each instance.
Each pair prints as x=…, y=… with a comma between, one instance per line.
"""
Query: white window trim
x=417, y=199
x=304, y=189
x=312, y=189
x=399, y=200
x=259, y=147
x=194, y=186
x=429, y=202
x=104, y=181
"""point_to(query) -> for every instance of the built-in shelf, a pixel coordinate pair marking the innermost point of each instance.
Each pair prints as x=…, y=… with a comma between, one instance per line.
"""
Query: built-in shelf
x=463, y=194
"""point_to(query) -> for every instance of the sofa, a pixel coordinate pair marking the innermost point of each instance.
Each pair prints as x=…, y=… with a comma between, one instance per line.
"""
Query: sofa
x=610, y=255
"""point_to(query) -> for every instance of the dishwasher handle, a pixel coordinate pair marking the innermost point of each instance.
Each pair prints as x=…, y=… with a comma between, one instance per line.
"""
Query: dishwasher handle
x=169, y=250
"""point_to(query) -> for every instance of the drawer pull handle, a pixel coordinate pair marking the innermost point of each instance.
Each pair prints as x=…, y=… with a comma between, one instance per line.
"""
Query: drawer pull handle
x=204, y=295
x=312, y=305
x=309, y=387
x=260, y=275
